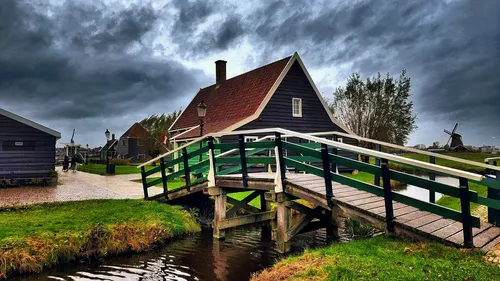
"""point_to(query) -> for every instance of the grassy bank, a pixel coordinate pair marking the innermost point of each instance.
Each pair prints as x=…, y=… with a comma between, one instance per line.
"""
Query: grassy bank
x=382, y=258
x=100, y=169
x=33, y=238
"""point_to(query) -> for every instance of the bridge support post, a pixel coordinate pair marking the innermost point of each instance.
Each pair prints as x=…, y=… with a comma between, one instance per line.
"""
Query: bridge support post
x=494, y=214
x=376, y=180
x=386, y=183
x=220, y=212
x=283, y=223
x=432, y=177
x=144, y=182
x=466, y=214
x=335, y=216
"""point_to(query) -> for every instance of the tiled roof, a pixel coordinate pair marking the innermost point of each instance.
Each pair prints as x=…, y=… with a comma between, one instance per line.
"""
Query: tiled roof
x=236, y=99
x=137, y=131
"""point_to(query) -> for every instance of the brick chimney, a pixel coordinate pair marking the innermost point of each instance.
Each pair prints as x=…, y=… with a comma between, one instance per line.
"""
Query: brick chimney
x=220, y=72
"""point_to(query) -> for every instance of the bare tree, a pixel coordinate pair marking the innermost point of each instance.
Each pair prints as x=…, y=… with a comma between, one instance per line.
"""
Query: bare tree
x=378, y=108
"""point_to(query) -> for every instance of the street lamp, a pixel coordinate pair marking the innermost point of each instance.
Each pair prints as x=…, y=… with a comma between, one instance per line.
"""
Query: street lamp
x=107, y=133
x=202, y=111
x=87, y=154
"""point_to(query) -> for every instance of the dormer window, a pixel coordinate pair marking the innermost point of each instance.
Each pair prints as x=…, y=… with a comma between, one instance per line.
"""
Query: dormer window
x=296, y=107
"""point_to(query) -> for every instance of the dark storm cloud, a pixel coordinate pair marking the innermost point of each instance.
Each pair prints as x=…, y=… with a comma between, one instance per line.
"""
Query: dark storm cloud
x=451, y=49
x=224, y=30
x=80, y=61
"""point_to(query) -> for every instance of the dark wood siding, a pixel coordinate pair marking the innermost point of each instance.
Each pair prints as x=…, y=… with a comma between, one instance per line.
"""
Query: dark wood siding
x=33, y=157
x=278, y=111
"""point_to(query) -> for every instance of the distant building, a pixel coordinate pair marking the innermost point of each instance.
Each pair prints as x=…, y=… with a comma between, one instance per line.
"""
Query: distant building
x=109, y=147
x=27, y=149
x=488, y=148
x=133, y=144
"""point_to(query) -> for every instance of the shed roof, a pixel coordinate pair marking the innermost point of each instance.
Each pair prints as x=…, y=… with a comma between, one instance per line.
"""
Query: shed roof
x=30, y=123
x=136, y=131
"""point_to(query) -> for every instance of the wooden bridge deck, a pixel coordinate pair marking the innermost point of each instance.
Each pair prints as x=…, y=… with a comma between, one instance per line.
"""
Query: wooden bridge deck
x=369, y=207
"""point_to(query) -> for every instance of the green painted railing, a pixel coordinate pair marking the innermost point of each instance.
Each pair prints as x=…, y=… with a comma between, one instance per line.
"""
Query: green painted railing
x=320, y=157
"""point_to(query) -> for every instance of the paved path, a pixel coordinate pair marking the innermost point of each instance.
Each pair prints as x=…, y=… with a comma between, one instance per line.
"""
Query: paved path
x=75, y=186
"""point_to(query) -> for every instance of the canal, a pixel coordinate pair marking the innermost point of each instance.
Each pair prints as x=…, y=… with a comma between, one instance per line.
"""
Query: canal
x=197, y=257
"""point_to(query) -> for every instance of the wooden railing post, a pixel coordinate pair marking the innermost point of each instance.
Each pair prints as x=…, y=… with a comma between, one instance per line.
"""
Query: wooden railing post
x=335, y=151
x=187, y=173
x=376, y=180
x=144, y=182
x=386, y=182
x=279, y=153
x=432, y=177
x=213, y=168
x=243, y=158
x=327, y=174
x=494, y=214
x=466, y=214
x=164, y=178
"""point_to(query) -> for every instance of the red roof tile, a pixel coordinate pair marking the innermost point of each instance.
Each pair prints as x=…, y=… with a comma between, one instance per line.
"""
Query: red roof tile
x=236, y=99
x=137, y=131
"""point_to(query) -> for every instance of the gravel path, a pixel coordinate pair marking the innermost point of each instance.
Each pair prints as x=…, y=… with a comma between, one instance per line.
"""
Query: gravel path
x=76, y=186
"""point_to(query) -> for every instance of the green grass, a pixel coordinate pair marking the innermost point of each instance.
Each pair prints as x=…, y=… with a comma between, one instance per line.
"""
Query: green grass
x=171, y=184
x=383, y=258
x=35, y=237
x=100, y=169
x=80, y=215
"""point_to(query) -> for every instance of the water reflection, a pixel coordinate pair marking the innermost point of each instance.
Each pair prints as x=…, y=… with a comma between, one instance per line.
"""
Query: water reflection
x=422, y=193
x=198, y=257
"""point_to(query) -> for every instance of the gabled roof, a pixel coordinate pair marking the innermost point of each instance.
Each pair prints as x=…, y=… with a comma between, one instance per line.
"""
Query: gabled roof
x=30, y=123
x=136, y=131
x=240, y=100
x=109, y=143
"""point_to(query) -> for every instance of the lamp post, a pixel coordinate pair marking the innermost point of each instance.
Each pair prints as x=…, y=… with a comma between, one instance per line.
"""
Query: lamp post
x=202, y=110
x=87, y=154
x=107, y=133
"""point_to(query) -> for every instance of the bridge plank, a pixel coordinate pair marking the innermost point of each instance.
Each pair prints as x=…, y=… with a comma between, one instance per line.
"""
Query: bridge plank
x=395, y=206
x=354, y=197
x=366, y=200
x=422, y=220
x=404, y=210
x=486, y=236
x=448, y=231
x=372, y=205
x=411, y=216
x=436, y=225
x=491, y=244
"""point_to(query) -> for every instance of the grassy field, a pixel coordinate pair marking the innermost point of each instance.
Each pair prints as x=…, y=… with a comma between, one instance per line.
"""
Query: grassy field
x=35, y=237
x=100, y=169
x=382, y=258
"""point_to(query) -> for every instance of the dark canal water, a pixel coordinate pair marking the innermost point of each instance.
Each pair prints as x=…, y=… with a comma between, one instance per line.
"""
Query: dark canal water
x=197, y=257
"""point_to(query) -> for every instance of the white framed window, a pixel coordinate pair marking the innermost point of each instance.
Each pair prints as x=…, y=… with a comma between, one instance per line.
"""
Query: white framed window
x=251, y=138
x=296, y=107
x=141, y=157
x=340, y=140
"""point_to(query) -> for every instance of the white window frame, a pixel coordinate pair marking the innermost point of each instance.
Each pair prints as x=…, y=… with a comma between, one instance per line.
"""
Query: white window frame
x=298, y=114
x=141, y=157
x=251, y=138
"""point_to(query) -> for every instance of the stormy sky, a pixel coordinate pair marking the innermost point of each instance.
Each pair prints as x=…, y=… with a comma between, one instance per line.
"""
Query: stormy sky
x=93, y=65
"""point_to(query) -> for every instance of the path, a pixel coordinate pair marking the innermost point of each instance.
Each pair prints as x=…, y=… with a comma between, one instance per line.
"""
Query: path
x=75, y=186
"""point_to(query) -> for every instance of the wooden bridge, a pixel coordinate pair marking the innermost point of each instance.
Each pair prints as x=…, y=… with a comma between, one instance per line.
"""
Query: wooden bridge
x=308, y=170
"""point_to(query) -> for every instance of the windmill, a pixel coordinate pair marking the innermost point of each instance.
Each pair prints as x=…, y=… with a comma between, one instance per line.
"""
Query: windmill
x=456, y=140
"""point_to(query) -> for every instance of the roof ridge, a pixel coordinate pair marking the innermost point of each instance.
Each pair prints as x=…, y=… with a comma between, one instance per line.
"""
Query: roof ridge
x=252, y=70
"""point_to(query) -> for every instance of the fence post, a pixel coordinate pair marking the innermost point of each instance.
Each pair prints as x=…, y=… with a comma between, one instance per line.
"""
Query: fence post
x=187, y=173
x=432, y=177
x=327, y=174
x=144, y=182
x=494, y=214
x=244, y=169
x=386, y=182
x=164, y=178
x=466, y=216
x=376, y=180
x=213, y=168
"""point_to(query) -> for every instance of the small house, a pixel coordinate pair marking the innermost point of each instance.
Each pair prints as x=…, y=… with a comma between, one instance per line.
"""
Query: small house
x=27, y=149
x=280, y=94
x=135, y=144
